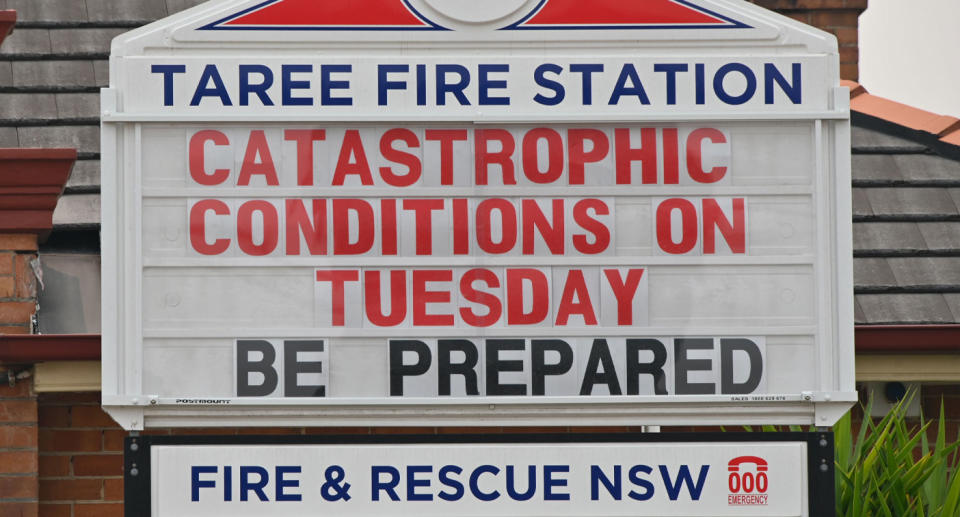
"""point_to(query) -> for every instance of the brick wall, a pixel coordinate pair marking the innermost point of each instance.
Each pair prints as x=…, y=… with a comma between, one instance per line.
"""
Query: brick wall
x=81, y=457
x=18, y=404
x=18, y=449
x=81, y=449
x=18, y=285
x=839, y=17
x=81, y=452
x=931, y=396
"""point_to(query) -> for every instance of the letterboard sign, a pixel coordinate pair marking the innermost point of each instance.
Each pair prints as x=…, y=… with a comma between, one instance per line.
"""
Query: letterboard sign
x=509, y=212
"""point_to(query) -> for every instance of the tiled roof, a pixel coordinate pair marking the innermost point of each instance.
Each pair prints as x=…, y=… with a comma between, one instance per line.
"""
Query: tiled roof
x=51, y=70
x=906, y=162
x=906, y=212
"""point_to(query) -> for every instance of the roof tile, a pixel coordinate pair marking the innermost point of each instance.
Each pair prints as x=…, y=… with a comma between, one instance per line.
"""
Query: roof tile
x=861, y=203
x=49, y=11
x=876, y=167
x=86, y=175
x=78, y=105
x=939, y=236
x=9, y=137
x=907, y=116
x=34, y=106
x=905, y=308
x=886, y=236
x=925, y=271
x=911, y=201
x=953, y=138
x=953, y=301
x=873, y=273
x=85, y=139
x=6, y=73
x=77, y=210
x=854, y=87
x=48, y=73
x=858, y=315
x=174, y=6
x=955, y=195
x=869, y=140
x=72, y=41
x=132, y=10
x=905, y=168
x=26, y=41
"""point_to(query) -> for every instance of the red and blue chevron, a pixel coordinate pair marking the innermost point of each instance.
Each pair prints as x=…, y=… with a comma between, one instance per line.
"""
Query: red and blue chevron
x=336, y=15
x=400, y=15
x=623, y=14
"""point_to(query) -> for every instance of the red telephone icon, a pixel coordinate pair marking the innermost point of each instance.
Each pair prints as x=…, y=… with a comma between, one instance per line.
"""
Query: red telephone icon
x=748, y=481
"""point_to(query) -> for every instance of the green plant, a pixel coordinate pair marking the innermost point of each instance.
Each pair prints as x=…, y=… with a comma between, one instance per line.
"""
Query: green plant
x=890, y=469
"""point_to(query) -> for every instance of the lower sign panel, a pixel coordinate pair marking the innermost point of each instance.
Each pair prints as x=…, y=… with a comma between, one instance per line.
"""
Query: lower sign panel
x=473, y=476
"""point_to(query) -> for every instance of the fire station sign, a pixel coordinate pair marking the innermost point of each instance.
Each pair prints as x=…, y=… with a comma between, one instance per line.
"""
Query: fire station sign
x=445, y=212
x=759, y=474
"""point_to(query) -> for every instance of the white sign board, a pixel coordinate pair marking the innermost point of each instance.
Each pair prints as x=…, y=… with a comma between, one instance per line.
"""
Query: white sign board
x=529, y=213
x=541, y=479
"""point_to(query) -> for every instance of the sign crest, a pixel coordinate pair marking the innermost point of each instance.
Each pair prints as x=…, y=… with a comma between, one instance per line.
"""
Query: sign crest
x=401, y=15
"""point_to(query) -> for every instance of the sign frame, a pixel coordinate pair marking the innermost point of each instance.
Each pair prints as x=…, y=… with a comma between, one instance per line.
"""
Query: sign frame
x=820, y=453
x=123, y=262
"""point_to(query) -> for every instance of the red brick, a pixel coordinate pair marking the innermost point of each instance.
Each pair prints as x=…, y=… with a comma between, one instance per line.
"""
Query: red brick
x=951, y=408
x=7, y=287
x=7, y=329
x=849, y=71
x=56, y=509
x=18, y=509
x=18, y=487
x=835, y=18
x=18, y=462
x=847, y=36
x=940, y=390
x=26, y=280
x=533, y=430
x=469, y=430
x=346, y=431
x=803, y=17
x=6, y=263
x=88, y=397
x=403, y=430
x=18, y=410
x=113, y=440
x=16, y=312
x=20, y=389
x=849, y=55
x=18, y=437
x=98, y=510
x=70, y=441
x=53, y=416
x=599, y=429
x=98, y=465
x=18, y=242
x=113, y=489
x=90, y=416
x=54, y=466
x=70, y=489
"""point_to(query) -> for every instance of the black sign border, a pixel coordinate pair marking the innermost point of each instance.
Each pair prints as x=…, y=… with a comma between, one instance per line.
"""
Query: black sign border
x=820, y=453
